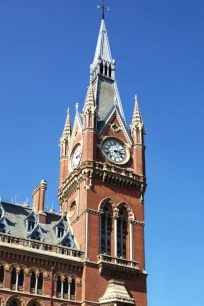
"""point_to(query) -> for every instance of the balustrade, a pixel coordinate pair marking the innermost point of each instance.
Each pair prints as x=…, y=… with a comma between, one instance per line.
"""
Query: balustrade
x=39, y=245
x=117, y=260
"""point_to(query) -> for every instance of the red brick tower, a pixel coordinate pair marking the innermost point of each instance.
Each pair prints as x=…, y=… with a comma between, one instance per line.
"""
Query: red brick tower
x=102, y=185
x=93, y=252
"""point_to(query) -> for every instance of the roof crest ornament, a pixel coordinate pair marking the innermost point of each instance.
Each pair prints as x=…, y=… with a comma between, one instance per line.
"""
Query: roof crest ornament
x=103, y=8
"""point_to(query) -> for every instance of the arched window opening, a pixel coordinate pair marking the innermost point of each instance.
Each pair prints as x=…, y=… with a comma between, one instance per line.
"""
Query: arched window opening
x=72, y=290
x=58, y=286
x=106, y=69
x=2, y=228
x=106, y=227
x=40, y=284
x=122, y=233
x=66, y=289
x=60, y=230
x=1, y=274
x=14, y=303
x=36, y=236
x=32, y=282
x=13, y=279
x=31, y=224
x=110, y=71
x=20, y=280
x=101, y=68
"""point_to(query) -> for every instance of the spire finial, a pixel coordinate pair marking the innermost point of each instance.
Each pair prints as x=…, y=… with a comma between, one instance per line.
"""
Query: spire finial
x=136, y=118
x=103, y=8
x=67, y=127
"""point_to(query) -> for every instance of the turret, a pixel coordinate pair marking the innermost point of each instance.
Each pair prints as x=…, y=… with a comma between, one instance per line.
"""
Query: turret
x=89, y=111
x=89, y=125
x=137, y=131
x=64, y=146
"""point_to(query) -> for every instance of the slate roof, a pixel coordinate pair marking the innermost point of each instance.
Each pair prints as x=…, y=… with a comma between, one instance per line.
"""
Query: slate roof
x=16, y=215
x=105, y=89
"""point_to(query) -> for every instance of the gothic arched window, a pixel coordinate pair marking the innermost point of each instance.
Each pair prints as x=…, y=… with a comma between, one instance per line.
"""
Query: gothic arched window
x=21, y=278
x=66, y=286
x=101, y=68
x=32, y=282
x=40, y=283
x=110, y=71
x=106, y=227
x=1, y=274
x=13, y=278
x=106, y=69
x=72, y=288
x=122, y=232
x=58, y=285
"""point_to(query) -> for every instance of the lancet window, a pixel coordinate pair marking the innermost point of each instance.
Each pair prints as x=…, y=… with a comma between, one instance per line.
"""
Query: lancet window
x=1, y=275
x=17, y=279
x=122, y=232
x=36, y=283
x=106, y=227
x=65, y=287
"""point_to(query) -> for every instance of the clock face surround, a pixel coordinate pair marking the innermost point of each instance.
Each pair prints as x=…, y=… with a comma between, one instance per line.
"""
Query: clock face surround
x=76, y=157
x=115, y=151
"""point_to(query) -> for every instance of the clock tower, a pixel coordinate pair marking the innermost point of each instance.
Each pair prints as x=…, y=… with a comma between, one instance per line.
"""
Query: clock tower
x=102, y=185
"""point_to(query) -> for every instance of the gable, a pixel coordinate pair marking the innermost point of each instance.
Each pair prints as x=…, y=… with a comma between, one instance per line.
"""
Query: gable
x=116, y=127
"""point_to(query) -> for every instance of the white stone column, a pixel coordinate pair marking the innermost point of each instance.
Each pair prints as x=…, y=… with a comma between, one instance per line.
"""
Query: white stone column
x=131, y=241
x=36, y=284
x=69, y=285
x=115, y=237
x=17, y=276
x=62, y=289
x=87, y=225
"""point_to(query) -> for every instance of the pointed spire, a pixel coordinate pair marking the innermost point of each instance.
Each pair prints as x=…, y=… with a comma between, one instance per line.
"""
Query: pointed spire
x=89, y=104
x=136, y=118
x=103, y=51
x=67, y=127
x=90, y=96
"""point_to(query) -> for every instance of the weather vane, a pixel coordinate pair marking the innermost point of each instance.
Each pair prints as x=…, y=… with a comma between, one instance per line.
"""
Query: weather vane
x=103, y=7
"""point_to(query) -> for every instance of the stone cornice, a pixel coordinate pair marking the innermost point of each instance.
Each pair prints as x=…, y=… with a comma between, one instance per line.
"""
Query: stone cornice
x=89, y=211
x=98, y=213
x=112, y=174
x=118, y=268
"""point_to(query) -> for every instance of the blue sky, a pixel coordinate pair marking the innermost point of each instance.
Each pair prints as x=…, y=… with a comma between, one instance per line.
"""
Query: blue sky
x=46, y=50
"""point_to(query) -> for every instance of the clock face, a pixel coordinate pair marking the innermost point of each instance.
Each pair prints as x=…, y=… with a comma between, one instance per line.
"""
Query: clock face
x=114, y=151
x=76, y=157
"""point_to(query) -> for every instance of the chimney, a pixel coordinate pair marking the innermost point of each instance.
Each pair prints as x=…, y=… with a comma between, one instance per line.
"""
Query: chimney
x=38, y=196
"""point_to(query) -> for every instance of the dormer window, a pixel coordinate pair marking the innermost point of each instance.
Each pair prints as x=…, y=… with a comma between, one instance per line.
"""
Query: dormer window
x=36, y=236
x=66, y=242
x=2, y=228
x=60, y=230
x=31, y=224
